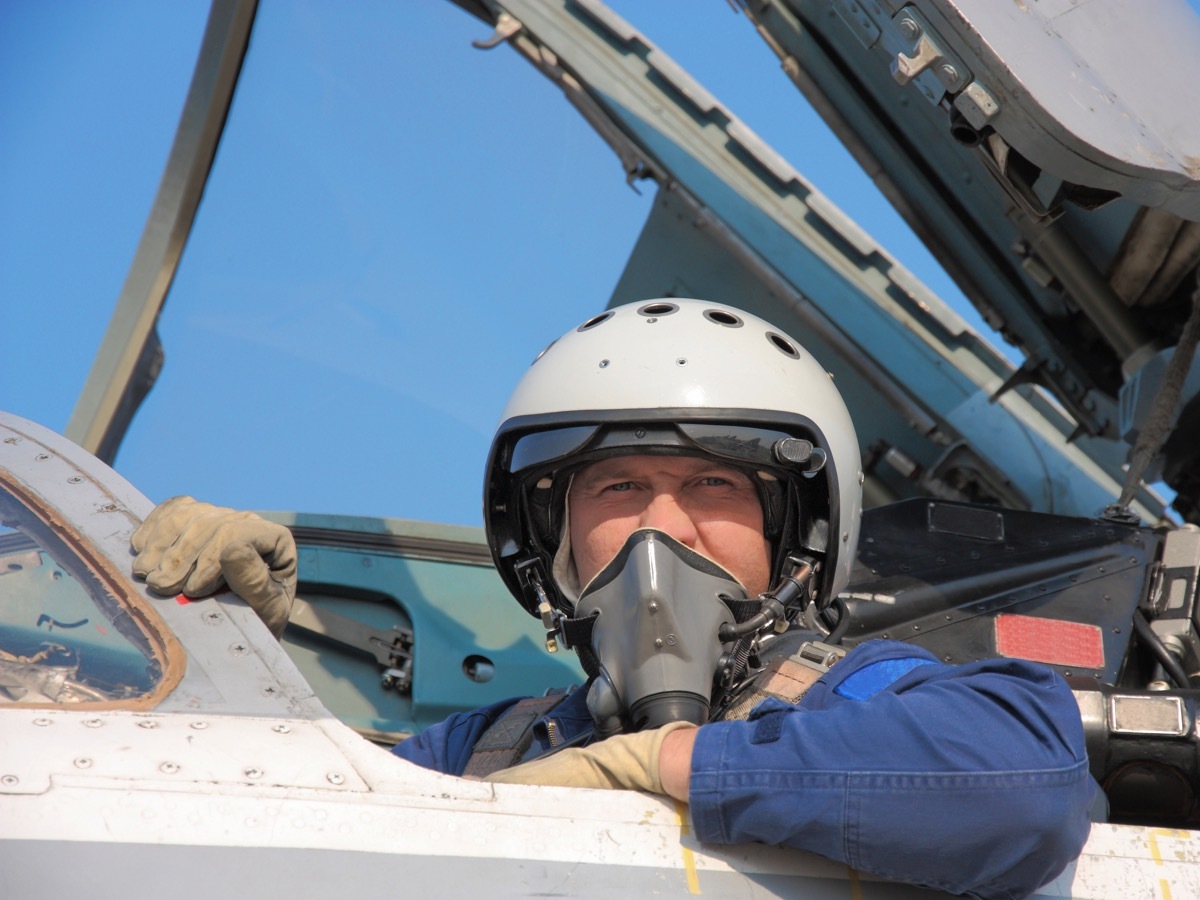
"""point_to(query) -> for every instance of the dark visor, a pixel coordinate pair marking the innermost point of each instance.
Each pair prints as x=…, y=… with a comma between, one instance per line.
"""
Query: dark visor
x=759, y=447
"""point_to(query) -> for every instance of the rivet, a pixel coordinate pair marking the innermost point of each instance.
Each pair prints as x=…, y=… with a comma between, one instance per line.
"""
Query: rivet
x=169, y=768
x=335, y=778
x=1116, y=631
x=652, y=606
x=658, y=642
x=83, y=762
x=42, y=722
x=93, y=723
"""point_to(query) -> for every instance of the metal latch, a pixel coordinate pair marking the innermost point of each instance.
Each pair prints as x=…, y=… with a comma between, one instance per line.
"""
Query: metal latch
x=926, y=52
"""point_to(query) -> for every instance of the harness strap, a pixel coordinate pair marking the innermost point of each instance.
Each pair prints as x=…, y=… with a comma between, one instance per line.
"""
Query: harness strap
x=506, y=740
x=786, y=678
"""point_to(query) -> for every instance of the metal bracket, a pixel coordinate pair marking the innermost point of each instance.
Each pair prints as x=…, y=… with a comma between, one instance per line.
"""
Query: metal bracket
x=392, y=649
x=506, y=27
x=926, y=52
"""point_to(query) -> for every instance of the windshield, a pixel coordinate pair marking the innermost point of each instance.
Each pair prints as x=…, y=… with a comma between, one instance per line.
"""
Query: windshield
x=66, y=636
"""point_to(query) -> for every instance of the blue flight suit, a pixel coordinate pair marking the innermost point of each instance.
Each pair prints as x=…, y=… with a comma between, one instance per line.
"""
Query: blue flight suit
x=971, y=779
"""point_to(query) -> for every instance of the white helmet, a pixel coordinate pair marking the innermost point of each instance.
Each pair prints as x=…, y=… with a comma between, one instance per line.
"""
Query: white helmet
x=686, y=377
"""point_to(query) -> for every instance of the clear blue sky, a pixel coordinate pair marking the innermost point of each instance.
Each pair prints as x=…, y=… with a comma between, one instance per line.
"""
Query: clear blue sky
x=396, y=223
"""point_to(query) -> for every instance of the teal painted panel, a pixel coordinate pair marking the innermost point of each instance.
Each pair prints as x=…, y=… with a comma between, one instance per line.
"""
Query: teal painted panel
x=462, y=617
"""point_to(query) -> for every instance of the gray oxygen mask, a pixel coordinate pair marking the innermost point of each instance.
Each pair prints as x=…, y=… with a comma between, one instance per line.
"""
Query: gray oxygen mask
x=659, y=610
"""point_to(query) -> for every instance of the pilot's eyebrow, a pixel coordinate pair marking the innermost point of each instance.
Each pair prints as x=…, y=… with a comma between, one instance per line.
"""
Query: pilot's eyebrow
x=599, y=472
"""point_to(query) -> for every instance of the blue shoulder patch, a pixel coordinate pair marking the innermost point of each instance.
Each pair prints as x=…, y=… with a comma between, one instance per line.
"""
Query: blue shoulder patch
x=871, y=679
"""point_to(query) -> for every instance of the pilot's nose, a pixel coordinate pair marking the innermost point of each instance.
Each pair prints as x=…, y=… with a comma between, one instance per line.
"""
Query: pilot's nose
x=665, y=514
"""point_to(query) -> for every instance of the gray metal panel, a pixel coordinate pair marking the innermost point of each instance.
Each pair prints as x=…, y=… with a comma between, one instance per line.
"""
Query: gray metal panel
x=1101, y=92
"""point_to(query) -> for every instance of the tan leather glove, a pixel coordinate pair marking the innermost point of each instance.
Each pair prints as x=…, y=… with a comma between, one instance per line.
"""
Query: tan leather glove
x=194, y=548
x=624, y=761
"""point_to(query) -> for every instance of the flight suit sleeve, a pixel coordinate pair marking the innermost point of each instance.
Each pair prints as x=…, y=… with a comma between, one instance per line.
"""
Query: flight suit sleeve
x=447, y=746
x=968, y=779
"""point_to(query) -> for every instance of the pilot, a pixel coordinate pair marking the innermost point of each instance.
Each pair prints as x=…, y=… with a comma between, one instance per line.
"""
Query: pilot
x=674, y=489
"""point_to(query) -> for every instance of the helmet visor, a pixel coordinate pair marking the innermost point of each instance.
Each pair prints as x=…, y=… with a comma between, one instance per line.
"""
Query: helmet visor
x=760, y=448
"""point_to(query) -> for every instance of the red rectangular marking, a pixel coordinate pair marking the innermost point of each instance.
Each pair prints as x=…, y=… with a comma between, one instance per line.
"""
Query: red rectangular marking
x=1050, y=641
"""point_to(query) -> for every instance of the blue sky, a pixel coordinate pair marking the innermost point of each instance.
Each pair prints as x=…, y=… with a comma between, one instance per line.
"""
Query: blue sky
x=396, y=223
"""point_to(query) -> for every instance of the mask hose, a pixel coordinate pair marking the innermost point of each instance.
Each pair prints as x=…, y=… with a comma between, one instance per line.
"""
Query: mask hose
x=787, y=594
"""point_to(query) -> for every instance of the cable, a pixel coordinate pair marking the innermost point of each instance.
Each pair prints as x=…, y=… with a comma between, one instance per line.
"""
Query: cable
x=1159, y=649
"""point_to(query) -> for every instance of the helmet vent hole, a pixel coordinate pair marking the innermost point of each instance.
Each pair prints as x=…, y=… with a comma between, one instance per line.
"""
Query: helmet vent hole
x=720, y=317
x=657, y=309
x=783, y=345
x=596, y=320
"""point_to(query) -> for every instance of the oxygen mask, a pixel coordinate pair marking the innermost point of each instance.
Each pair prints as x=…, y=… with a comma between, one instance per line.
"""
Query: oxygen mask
x=659, y=610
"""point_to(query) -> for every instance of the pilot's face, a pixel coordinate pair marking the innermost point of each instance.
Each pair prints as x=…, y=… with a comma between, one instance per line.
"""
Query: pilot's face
x=712, y=508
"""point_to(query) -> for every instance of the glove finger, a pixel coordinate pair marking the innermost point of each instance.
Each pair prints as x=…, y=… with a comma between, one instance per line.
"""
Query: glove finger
x=273, y=543
x=159, y=531
x=191, y=562
x=249, y=576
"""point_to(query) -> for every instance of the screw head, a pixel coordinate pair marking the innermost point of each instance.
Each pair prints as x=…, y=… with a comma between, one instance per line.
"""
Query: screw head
x=9, y=780
x=281, y=728
x=169, y=768
x=147, y=723
x=83, y=762
x=335, y=778
x=253, y=773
